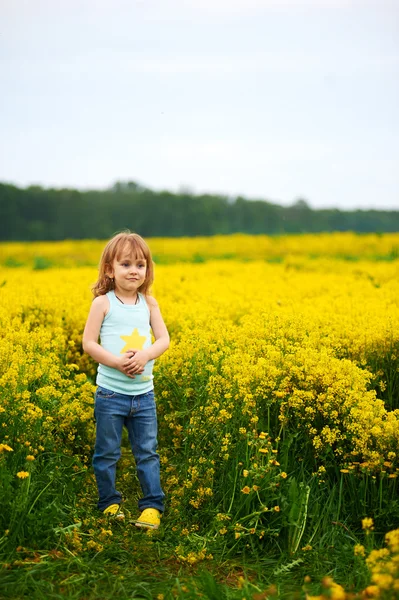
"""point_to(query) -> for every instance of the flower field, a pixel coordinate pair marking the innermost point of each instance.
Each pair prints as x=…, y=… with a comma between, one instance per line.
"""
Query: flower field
x=278, y=406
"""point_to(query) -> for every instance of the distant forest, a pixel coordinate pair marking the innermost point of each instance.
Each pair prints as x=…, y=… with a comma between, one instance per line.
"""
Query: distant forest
x=35, y=213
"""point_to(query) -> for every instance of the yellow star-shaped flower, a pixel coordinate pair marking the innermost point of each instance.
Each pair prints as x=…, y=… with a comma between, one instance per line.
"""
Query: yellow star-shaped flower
x=134, y=340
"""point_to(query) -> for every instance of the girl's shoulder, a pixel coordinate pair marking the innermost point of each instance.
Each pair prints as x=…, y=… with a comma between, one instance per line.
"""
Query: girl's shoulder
x=101, y=299
x=101, y=303
x=152, y=303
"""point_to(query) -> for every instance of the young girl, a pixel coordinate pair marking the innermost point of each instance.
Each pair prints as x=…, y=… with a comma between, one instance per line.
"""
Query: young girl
x=122, y=315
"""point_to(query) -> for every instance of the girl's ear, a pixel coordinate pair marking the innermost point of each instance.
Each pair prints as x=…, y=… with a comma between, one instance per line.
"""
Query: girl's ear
x=109, y=271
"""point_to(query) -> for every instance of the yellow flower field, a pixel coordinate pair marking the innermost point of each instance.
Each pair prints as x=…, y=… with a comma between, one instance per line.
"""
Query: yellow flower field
x=280, y=387
x=239, y=246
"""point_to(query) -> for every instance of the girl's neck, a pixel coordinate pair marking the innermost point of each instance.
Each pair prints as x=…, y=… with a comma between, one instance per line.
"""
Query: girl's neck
x=123, y=299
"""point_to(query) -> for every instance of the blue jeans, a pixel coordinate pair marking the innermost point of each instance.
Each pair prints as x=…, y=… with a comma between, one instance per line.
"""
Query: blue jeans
x=138, y=413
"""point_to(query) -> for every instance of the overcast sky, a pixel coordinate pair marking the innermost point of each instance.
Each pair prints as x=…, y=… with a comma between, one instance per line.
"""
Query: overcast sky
x=273, y=99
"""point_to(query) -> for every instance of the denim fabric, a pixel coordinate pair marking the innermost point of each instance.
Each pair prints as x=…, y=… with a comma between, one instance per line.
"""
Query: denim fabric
x=138, y=413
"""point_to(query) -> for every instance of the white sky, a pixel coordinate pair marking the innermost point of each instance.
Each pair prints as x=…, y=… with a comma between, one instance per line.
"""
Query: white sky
x=273, y=99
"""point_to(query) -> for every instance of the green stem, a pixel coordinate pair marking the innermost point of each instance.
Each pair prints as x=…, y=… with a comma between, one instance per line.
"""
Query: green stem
x=339, y=497
x=38, y=496
x=234, y=491
x=304, y=509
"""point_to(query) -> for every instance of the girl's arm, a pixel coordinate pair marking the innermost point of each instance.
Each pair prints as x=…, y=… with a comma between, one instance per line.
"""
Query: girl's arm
x=159, y=330
x=91, y=333
x=161, y=344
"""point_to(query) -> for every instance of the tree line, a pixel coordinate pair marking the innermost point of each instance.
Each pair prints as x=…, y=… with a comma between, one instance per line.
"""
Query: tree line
x=36, y=213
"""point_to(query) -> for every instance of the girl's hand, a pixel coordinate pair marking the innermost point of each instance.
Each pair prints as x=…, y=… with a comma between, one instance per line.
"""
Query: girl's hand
x=137, y=362
x=124, y=365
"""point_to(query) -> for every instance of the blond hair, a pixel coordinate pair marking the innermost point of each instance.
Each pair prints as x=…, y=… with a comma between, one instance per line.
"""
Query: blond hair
x=124, y=242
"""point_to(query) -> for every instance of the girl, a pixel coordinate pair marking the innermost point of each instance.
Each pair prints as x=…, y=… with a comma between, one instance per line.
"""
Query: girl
x=122, y=314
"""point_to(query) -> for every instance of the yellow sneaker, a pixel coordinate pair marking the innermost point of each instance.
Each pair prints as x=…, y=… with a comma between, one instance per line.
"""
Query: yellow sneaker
x=150, y=518
x=113, y=510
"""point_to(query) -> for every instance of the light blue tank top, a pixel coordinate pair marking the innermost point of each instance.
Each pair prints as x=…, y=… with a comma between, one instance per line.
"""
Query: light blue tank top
x=125, y=326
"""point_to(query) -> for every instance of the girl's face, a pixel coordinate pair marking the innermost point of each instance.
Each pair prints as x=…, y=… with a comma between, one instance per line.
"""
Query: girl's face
x=129, y=273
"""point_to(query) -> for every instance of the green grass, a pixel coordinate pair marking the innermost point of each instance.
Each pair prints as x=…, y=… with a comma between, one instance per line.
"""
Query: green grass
x=135, y=564
x=42, y=559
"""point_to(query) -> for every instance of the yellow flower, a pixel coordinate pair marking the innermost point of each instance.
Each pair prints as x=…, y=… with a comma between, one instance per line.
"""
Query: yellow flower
x=359, y=550
x=6, y=448
x=245, y=473
x=30, y=457
x=367, y=524
x=383, y=580
x=337, y=592
x=246, y=489
x=371, y=591
x=92, y=545
x=276, y=508
x=283, y=475
x=105, y=532
x=23, y=474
